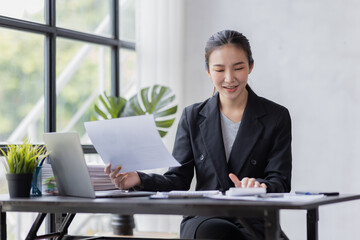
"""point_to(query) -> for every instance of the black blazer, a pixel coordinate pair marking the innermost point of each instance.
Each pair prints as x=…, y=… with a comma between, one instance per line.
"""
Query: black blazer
x=262, y=148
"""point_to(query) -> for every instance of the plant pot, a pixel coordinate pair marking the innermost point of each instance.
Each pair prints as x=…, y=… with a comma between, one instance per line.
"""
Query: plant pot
x=19, y=184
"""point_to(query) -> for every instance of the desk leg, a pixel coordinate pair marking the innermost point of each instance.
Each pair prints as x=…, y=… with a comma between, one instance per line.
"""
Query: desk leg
x=2, y=224
x=272, y=224
x=123, y=224
x=65, y=225
x=50, y=225
x=36, y=225
x=312, y=223
x=56, y=234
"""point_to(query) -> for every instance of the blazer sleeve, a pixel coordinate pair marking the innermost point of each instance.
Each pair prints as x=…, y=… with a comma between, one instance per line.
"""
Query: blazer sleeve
x=177, y=178
x=279, y=165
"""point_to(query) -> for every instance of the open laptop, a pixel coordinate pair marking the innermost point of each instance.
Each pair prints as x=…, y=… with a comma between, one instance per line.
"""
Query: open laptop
x=70, y=170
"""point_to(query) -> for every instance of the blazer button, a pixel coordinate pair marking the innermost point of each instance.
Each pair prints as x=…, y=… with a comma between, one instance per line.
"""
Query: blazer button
x=202, y=157
x=253, y=161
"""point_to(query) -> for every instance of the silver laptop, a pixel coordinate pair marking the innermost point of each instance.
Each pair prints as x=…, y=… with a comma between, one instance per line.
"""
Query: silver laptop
x=70, y=170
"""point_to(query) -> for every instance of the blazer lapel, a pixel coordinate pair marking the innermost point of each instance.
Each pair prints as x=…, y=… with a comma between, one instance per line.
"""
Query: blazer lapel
x=212, y=138
x=248, y=134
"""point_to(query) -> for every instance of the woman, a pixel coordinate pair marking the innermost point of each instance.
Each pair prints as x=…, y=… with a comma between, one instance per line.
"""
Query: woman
x=231, y=136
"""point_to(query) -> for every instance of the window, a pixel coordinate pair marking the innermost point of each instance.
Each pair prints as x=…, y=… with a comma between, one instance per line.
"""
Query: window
x=90, y=16
x=57, y=57
x=22, y=85
x=53, y=66
x=83, y=72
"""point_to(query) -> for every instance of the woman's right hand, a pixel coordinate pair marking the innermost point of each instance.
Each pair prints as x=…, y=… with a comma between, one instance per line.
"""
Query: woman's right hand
x=122, y=181
x=246, y=182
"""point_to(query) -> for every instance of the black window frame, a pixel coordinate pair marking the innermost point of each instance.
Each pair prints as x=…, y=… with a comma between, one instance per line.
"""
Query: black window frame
x=50, y=32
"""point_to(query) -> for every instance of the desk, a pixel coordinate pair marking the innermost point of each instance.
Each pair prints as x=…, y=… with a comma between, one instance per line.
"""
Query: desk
x=269, y=211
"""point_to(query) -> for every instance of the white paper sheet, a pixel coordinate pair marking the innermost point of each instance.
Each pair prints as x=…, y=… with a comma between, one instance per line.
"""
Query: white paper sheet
x=130, y=142
x=286, y=197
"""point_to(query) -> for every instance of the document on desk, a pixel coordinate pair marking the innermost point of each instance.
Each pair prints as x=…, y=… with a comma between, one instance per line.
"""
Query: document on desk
x=184, y=194
x=130, y=142
x=270, y=197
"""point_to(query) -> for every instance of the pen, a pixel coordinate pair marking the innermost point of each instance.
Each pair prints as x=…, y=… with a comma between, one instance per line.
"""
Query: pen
x=306, y=193
x=317, y=193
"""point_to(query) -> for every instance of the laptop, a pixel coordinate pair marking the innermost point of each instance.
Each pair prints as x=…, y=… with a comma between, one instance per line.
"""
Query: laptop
x=70, y=170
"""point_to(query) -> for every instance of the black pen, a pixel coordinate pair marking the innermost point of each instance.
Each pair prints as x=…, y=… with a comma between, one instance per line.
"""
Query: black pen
x=317, y=193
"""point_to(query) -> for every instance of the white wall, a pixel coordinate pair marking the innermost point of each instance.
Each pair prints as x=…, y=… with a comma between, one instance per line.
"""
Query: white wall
x=306, y=58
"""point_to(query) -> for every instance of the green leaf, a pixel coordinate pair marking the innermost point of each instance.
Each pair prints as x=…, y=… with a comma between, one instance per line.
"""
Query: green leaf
x=166, y=112
x=144, y=97
x=162, y=133
x=135, y=106
x=99, y=112
x=164, y=124
x=164, y=103
x=113, y=107
x=105, y=104
x=156, y=105
x=23, y=158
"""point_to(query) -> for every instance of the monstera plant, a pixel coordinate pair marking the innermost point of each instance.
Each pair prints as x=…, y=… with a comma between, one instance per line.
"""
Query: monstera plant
x=157, y=100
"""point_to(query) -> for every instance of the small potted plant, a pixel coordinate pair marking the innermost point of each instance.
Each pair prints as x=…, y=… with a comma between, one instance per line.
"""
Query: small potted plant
x=20, y=162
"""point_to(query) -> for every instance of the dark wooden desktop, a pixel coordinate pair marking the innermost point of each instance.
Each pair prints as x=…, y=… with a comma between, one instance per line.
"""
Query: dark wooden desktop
x=269, y=211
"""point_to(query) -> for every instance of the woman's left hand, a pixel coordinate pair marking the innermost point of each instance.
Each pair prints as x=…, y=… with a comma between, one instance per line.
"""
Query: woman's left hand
x=246, y=182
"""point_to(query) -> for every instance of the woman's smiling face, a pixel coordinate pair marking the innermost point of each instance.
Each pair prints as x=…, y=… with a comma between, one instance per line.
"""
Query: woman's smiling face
x=229, y=69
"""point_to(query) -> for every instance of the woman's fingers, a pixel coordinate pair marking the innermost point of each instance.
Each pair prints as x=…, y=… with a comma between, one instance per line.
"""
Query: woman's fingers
x=235, y=180
x=122, y=180
x=107, y=168
x=246, y=182
x=127, y=180
x=251, y=183
x=119, y=181
x=112, y=174
x=115, y=172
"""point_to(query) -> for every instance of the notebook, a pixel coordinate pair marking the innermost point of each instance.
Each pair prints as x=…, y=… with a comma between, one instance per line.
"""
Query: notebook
x=71, y=173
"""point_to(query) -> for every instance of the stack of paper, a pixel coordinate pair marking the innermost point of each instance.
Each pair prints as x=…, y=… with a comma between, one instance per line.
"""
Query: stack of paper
x=47, y=171
x=99, y=179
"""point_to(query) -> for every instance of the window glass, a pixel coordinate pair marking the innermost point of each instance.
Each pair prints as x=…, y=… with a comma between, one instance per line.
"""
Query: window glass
x=91, y=16
x=127, y=72
x=83, y=72
x=22, y=86
x=23, y=9
x=127, y=20
x=3, y=182
x=21, y=91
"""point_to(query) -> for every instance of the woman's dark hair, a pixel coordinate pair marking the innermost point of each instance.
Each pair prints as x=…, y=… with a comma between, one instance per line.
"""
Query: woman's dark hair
x=227, y=37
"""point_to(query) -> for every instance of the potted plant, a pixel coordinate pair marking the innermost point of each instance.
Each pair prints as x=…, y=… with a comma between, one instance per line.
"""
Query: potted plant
x=156, y=100
x=20, y=162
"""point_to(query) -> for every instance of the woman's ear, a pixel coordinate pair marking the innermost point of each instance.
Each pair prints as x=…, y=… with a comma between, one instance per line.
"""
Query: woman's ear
x=251, y=67
x=208, y=73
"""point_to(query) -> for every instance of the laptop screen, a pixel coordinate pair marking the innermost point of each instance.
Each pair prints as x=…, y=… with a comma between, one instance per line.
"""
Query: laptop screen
x=68, y=164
